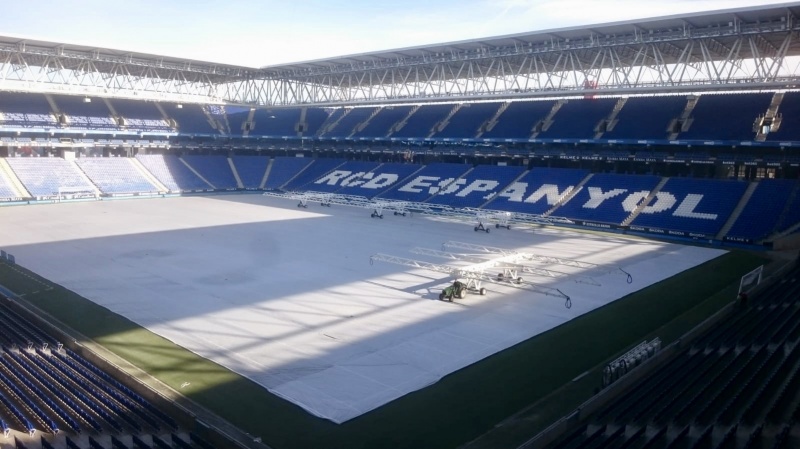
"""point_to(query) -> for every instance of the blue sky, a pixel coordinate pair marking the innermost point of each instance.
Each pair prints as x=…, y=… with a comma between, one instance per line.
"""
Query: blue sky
x=265, y=32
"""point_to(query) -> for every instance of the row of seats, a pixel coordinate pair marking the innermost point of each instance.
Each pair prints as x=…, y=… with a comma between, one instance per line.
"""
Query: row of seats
x=734, y=387
x=686, y=205
x=730, y=117
x=48, y=389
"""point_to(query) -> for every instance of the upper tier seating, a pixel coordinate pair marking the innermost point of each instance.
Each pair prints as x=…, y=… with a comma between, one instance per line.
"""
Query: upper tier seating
x=114, y=175
x=692, y=205
x=141, y=115
x=426, y=182
x=577, y=119
x=791, y=215
x=379, y=179
x=478, y=186
x=380, y=125
x=191, y=118
x=760, y=216
x=237, y=116
x=80, y=114
x=173, y=173
x=316, y=170
x=466, y=122
x=421, y=123
x=726, y=116
x=518, y=120
x=538, y=191
x=789, y=110
x=21, y=110
x=349, y=173
x=646, y=117
x=251, y=170
x=283, y=169
x=42, y=176
x=215, y=169
x=608, y=198
x=347, y=125
x=275, y=122
x=315, y=117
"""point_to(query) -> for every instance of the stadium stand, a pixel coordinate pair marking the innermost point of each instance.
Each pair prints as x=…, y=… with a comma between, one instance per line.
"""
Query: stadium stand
x=735, y=386
x=646, y=117
x=214, y=169
x=143, y=116
x=726, y=116
x=538, y=191
x=426, y=182
x=350, y=123
x=26, y=111
x=608, y=198
x=343, y=176
x=43, y=177
x=81, y=114
x=578, y=119
x=379, y=179
x=699, y=206
x=760, y=216
x=275, y=122
x=115, y=175
x=192, y=119
x=789, y=111
x=420, y=124
x=382, y=123
x=251, y=170
x=478, y=186
x=285, y=169
x=174, y=174
x=312, y=172
x=314, y=118
x=467, y=120
x=519, y=120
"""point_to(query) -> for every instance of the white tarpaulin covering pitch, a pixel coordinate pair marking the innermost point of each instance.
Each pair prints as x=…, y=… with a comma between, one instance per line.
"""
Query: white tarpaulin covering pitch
x=287, y=297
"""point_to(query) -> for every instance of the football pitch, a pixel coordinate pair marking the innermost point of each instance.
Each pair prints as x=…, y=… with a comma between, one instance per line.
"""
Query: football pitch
x=288, y=297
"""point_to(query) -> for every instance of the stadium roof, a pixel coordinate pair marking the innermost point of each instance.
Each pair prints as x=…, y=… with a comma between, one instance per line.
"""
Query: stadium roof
x=694, y=21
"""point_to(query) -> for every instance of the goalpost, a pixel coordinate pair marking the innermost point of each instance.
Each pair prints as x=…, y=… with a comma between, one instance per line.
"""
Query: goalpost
x=750, y=280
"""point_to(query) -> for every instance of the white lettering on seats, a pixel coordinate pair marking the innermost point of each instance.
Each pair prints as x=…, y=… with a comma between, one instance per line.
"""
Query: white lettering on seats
x=514, y=192
x=663, y=201
x=687, y=206
x=419, y=183
x=479, y=185
x=633, y=200
x=353, y=180
x=333, y=177
x=380, y=181
x=447, y=186
x=549, y=191
x=597, y=196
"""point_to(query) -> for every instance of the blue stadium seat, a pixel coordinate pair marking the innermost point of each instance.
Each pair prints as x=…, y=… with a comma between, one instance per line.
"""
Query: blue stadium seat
x=173, y=173
x=276, y=122
x=215, y=169
x=726, y=116
x=93, y=115
x=538, y=191
x=115, y=175
x=379, y=180
x=316, y=170
x=426, y=182
x=760, y=216
x=608, y=198
x=284, y=169
x=382, y=123
x=518, y=120
x=789, y=110
x=43, y=176
x=349, y=123
x=699, y=206
x=192, y=119
x=351, y=172
x=141, y=116
x=646, y=118
x=477, y=186
x=577, y=119
x=23, y=110
x=421, y=123
x=467, y=121
x=315, y=117
x=251, y=170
